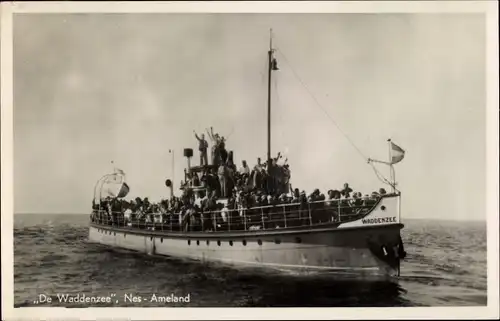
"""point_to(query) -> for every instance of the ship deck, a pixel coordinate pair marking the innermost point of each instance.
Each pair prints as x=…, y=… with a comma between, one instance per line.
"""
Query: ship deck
x=267, y=220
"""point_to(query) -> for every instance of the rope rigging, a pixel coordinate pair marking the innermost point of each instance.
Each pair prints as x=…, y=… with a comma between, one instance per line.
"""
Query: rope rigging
x=376, y=171
x=319, y=105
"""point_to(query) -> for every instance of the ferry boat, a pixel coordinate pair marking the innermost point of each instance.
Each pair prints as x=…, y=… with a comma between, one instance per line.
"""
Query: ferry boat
x=339, y=235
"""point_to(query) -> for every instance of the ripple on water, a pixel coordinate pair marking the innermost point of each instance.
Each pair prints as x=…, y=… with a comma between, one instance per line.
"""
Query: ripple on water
x=446, y=266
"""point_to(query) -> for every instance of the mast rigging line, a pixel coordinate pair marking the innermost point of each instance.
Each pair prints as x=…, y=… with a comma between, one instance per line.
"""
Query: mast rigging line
x=379, y=175
x=319, y=105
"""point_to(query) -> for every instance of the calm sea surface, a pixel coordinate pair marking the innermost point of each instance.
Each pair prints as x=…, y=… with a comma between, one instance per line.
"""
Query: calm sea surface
x=445, y=266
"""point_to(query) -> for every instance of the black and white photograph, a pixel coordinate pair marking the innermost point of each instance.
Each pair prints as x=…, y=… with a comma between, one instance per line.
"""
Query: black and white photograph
x=222, y=158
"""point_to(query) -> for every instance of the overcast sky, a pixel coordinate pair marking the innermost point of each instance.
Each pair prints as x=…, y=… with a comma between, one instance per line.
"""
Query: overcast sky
x=91, y=88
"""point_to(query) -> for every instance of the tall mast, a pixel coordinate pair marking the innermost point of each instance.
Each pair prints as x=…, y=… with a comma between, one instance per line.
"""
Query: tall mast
x=270, y=65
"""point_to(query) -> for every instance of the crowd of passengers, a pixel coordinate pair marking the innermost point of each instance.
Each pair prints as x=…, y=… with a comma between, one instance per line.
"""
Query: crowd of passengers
x=250, y=210
x=224, y=179
x=251, y=194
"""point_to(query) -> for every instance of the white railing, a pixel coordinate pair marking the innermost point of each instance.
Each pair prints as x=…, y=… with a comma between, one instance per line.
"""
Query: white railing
x=243, y=219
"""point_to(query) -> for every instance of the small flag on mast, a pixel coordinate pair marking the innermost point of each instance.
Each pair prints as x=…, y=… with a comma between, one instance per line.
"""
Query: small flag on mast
x=274, y=64
x=397, y=153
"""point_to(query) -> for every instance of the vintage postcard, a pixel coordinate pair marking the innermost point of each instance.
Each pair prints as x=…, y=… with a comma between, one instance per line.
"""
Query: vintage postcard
x=241, y=160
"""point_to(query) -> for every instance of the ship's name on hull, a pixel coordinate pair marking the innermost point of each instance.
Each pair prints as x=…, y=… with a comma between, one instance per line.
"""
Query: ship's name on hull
x=379, y=220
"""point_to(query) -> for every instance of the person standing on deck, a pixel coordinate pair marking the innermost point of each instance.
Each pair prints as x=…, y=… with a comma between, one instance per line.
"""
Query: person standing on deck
x=346, y=192
x=222, y=180
x=259, y=165
x=223, y=154
x=257, y=175
x=244, y=170
x=230, y=161
x=272, y=176
x=215, y=146
x=202, y=147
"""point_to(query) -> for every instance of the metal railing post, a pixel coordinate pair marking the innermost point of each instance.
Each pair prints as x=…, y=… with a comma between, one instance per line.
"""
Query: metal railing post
x=262, y=218
x=338, y=202
x=244, y=220
x=310, y=217
x=284, y=214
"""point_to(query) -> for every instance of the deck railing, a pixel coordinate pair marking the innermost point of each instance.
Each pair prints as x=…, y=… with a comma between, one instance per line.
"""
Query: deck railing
x=243, y=219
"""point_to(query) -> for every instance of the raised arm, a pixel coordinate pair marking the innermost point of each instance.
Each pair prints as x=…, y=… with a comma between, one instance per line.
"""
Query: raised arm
x=209, y=135
x=196, y=135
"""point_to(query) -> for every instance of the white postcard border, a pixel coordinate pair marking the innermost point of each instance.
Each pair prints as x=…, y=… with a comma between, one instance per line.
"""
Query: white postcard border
x=7, y=10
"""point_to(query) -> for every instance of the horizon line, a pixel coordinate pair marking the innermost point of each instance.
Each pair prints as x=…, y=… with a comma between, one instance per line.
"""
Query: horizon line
x=408, y=218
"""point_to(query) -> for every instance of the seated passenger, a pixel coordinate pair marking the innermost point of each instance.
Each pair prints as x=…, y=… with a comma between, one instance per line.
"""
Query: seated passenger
x=303, y=197
x=368, y=201
x=264, y=200
x=330, y=197
x=356, y=201
x=296, y=195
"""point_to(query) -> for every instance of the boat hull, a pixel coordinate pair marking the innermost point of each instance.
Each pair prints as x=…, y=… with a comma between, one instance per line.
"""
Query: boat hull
x=348, y=251
x=368, y=246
